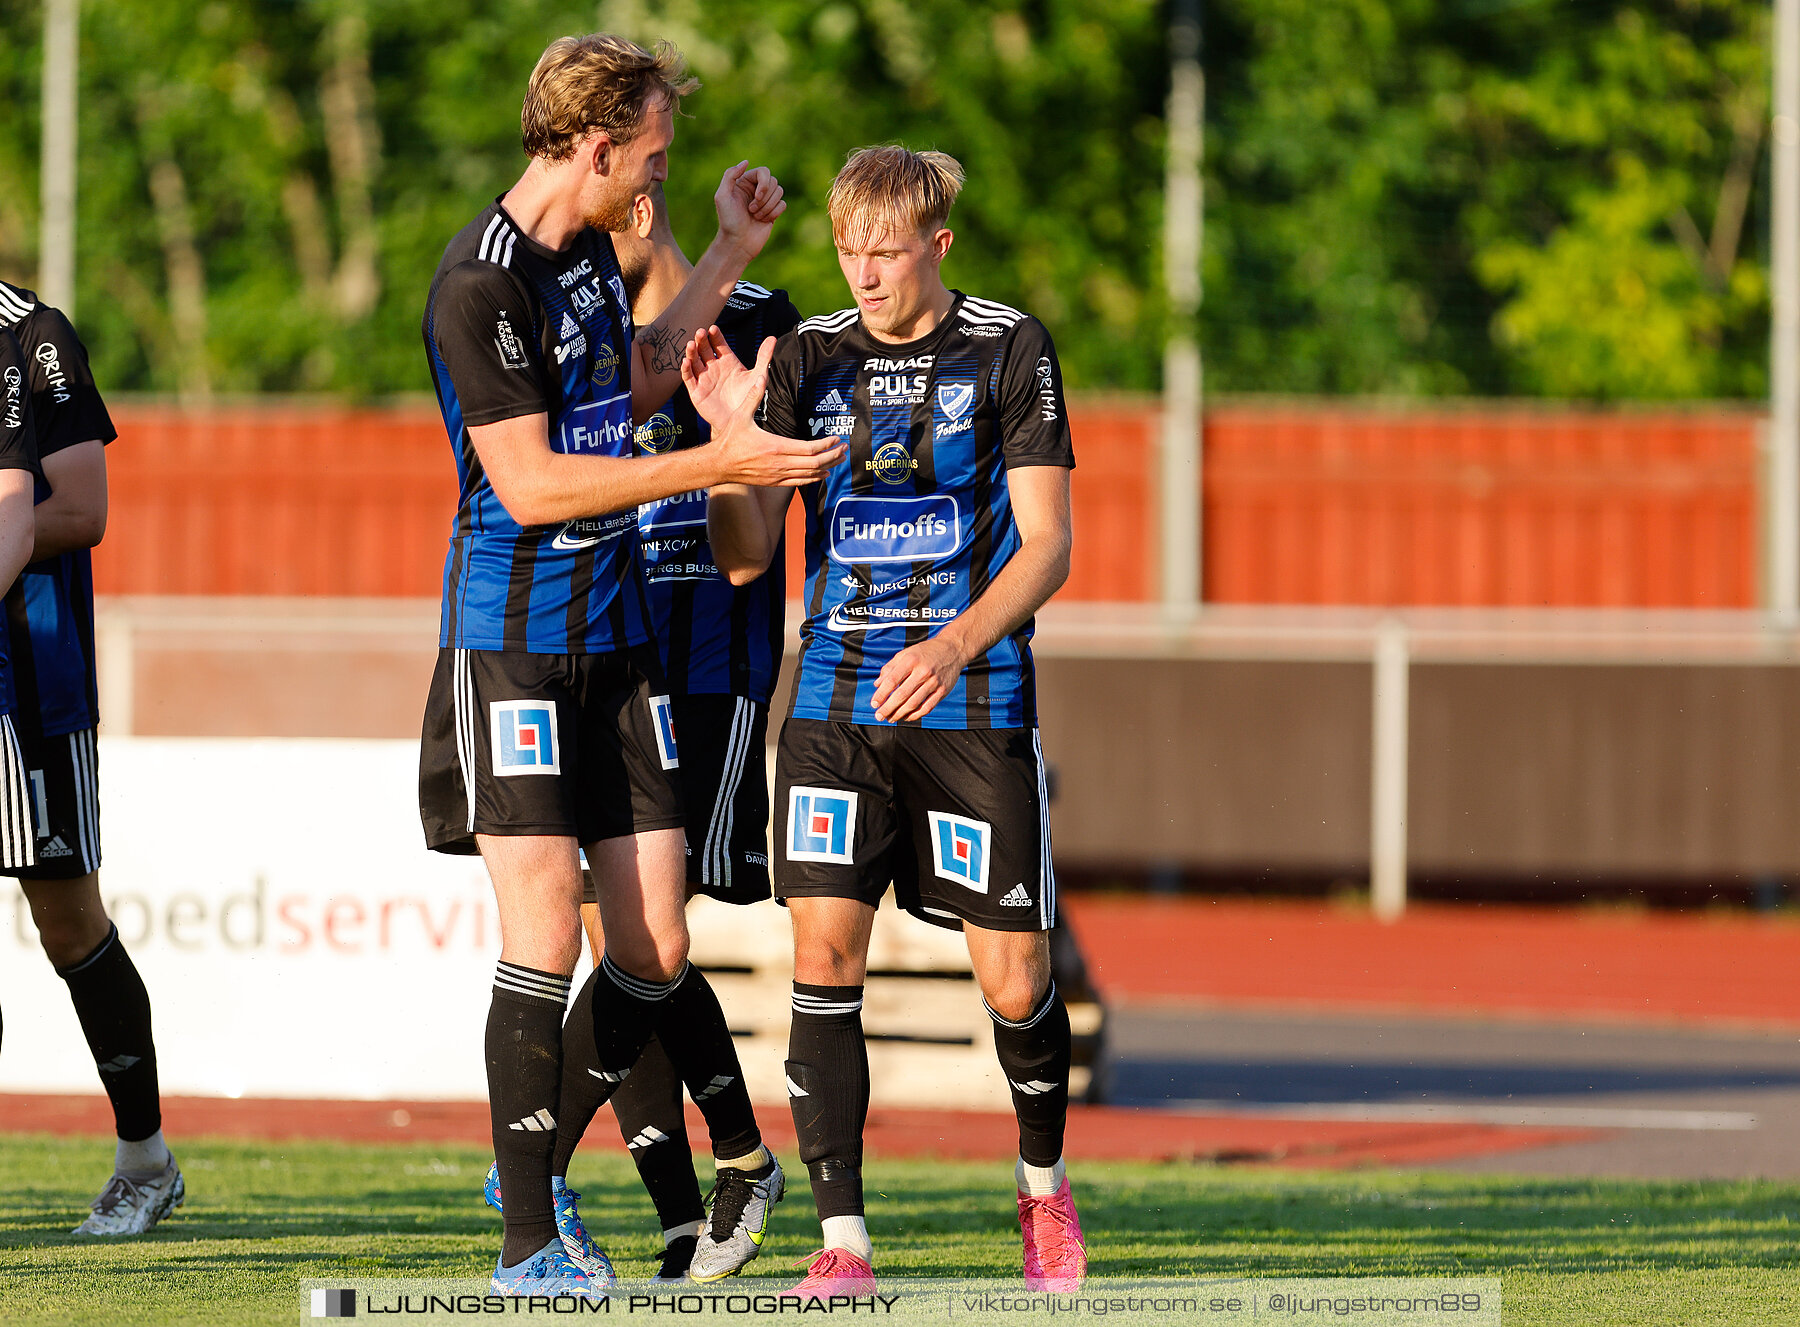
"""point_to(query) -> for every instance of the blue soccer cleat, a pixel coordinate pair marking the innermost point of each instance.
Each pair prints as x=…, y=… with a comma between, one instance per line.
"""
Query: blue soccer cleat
x=576, y=1242
x=549, y=1271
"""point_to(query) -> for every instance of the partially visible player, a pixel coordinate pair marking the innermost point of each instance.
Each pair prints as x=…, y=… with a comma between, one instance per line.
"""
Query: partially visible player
x=545, y=729
x=721, y=651
x=911, y=754
x=54, y=695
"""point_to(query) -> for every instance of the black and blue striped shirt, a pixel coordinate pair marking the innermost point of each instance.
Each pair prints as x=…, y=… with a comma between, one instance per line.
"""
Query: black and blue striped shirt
x=511, y=329
x=918, y=521
x=51, y=683
x=715, y=638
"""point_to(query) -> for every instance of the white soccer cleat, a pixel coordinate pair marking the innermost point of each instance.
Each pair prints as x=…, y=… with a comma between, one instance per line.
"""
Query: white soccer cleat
x=128, y=1206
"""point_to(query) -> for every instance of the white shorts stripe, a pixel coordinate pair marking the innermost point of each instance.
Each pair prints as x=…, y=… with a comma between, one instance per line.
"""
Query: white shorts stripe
x=463, y=704
x=17, y=839
x=715, y=867
x=1046, y=870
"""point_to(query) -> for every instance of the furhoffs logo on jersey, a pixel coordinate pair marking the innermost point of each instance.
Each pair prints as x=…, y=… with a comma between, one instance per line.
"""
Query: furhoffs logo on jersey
x=662, y=715
x=587, y=429
x=892, y=463
x=656, y=434
x=959, y=849
x=867, y=529
x=821, y=825
x=524, y=736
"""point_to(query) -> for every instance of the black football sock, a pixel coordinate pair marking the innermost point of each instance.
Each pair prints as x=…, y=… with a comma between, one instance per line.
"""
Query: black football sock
x=583, y=1088
x=828, y=1092
x=114, y=1009
x=688, y=1021
x=524, y=1073
x=1034, y=1055
x=654, y=1127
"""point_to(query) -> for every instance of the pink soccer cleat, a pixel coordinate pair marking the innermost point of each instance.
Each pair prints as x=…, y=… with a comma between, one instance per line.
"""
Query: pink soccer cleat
x=1055, y=1252
x=835, y=1272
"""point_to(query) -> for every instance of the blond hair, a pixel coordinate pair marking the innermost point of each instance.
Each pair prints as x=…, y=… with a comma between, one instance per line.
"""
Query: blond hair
x=892, y=188
x=598, y=83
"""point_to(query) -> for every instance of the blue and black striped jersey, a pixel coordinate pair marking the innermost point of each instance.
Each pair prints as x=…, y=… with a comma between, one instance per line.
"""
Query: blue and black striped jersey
x=917, y=522
x=50, y=608
x=512, y=329
x=716, y=638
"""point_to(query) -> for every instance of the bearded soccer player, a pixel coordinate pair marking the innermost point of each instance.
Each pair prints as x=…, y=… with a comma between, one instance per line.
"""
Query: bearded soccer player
x=543, y=730
x=910, y=754
x=720, y=646
x=55, y=709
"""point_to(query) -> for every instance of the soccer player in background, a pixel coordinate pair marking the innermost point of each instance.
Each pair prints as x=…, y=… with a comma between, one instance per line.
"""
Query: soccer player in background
x=54, y=696
x=721, y=651
x=544, y=732
x=911, y=751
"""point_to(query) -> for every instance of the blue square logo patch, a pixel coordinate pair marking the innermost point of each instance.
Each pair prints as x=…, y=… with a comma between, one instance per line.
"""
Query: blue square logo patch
x=821, y=825
x=524, y=736
x=662, y=715
x=960, y=849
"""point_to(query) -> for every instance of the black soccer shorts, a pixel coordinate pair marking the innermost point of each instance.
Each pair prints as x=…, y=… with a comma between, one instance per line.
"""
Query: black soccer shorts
x=62, y=791
x=958, y=820
x=575, y=746
x=725, y=786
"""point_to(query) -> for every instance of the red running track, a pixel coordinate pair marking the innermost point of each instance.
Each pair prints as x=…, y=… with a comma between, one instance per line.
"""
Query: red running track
x=1096, y=1133
x=1551, y=963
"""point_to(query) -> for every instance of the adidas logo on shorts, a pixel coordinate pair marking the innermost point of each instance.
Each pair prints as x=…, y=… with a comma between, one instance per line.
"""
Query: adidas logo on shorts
x=56, y=848
x=1016, y=897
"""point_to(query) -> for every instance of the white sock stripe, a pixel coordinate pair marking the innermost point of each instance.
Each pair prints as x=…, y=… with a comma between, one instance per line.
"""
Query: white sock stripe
x=532, y=975
x=112, y=938
x=1044, y=1004
x=637, y=986
x=539, y=985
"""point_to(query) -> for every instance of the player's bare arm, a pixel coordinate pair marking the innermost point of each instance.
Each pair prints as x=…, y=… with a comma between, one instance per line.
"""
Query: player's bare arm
x=916, y=679
x=743, y=521
x=74, y=515
x=16, y=524
x=747, y=202
x=538, y=486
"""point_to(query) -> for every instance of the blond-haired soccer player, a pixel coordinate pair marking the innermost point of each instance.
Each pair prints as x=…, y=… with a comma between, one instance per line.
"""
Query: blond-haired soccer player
x=546, y=726
x=910, y=754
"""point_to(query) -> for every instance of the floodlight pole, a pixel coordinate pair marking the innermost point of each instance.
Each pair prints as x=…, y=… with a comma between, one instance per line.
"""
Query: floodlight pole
x=1781, y=499
x=56, y=217
x=1183, y=218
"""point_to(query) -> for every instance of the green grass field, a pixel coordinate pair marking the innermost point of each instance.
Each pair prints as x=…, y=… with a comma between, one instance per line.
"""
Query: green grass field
x=260, y=1217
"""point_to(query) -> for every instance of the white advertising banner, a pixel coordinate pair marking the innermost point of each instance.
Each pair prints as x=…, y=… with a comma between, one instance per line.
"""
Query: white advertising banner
x=297, y=938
